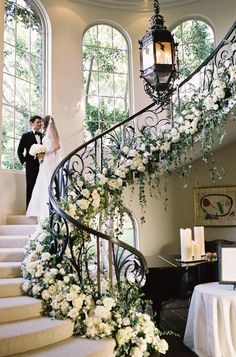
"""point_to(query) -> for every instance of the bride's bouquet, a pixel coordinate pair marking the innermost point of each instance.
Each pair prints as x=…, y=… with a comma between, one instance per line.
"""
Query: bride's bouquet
x=38, y=150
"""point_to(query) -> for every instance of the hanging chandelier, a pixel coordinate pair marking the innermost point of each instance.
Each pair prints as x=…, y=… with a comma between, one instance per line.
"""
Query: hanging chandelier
x=158, y=57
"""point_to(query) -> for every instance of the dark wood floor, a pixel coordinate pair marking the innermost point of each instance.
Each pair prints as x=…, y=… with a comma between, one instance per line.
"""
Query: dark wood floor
x=174, y=318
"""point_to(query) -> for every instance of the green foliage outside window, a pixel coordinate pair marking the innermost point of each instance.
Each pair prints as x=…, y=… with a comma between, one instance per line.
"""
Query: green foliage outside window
x=23, y=76
x=106, y=84
x=195, y=41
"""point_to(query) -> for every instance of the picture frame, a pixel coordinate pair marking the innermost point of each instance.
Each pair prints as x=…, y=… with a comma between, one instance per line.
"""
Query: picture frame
x=215, y=206
x=227, y=264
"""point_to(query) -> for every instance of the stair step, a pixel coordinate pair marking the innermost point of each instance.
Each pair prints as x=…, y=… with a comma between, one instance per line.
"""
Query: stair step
x=21, y=219
x=10, y=269
x=76, y=346
x=22, y=336
x=11, y=287
x=13, y=241
x=12, y=254
x=19, y=308
x=15, y=229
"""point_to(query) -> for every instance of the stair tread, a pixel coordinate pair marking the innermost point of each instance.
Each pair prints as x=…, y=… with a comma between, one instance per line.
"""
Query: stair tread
x=30, y=326
x=11, y=281
x=9, y=264
x=5, y=249
x=6, y=302
x=14, y=236
x=75, y=346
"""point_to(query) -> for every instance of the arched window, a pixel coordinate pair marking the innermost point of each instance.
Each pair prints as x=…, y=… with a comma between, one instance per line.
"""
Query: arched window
x=105, y=77
x=195, y=40
x=23, y=74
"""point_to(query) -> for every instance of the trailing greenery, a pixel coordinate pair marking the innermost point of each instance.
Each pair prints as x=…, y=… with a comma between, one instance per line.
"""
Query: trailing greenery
x=120, y=313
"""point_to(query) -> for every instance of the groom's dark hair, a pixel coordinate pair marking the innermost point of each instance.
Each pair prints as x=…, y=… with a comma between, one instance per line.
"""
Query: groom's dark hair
x=34, y=117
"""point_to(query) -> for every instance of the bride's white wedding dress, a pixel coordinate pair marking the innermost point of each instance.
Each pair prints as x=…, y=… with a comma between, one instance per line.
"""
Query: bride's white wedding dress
x=38, y=205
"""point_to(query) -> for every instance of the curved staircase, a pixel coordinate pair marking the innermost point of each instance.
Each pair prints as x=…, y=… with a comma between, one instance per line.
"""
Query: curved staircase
x=23, y=331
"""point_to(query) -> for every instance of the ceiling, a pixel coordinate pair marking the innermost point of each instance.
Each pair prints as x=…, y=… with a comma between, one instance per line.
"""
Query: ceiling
x=137, y=5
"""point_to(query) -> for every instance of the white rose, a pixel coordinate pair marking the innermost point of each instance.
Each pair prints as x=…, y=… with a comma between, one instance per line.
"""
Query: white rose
x=83, y=204
x=45, y=256
x=73, y=313
x=85, y=193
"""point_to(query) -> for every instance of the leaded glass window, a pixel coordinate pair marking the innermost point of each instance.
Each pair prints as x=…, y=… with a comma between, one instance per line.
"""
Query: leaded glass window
x=23, y=74
x=105, y=77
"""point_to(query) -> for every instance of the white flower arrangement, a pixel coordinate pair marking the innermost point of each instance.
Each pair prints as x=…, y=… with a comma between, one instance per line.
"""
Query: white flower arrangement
x=38, y=150
x=108, y=315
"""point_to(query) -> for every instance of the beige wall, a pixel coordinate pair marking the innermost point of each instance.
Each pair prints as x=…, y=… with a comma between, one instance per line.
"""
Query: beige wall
x=68, y=22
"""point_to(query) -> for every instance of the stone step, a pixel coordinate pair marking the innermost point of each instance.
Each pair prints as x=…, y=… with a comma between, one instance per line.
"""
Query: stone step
x=13, y=241
x=27, y=335
x=21, y=219
x=10, y=269
x=76, y=347
x=12, y=254
x=11, y=287
x=17, y=229
x=19, y=308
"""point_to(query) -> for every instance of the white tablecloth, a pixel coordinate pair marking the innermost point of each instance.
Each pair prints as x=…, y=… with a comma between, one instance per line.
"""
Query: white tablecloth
x=211, y=323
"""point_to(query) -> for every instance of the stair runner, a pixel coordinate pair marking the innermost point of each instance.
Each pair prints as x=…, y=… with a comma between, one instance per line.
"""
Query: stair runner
x=23, y=331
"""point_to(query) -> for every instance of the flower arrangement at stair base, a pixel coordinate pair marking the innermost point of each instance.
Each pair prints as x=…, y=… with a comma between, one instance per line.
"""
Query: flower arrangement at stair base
x=120, y=313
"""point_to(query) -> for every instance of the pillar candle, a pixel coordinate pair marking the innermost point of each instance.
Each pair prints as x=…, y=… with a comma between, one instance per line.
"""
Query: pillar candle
x=186, y=244
x=196, y=251
x=199, y=238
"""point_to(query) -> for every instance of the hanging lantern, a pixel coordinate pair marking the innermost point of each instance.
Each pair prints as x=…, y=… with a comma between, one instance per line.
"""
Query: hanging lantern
x=158, y=57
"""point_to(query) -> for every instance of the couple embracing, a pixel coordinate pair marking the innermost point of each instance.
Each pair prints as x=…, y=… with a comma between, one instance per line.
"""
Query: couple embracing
x=38, y=175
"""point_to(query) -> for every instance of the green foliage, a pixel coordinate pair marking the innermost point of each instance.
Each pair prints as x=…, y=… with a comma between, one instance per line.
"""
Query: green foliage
x=104, y=55
x=195, y=42
x=103, y=119
x=22, y=58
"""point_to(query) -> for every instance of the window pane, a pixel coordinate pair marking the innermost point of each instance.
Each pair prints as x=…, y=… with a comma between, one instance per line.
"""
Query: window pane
x=36, y=70
x=105, y=36
x=22, y=93
x=23, y=34
x=36, y=43
x=35, y=99
x=9, y=59
x=8, y=121
x=22, y=65
x=21, y=123
x=8, y=89
x=9, y=22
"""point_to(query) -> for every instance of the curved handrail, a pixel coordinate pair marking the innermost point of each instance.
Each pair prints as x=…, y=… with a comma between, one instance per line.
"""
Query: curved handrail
x=90, y=157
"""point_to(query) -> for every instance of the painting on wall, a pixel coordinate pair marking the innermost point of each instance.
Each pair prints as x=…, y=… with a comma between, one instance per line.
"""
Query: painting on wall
x=215, y=206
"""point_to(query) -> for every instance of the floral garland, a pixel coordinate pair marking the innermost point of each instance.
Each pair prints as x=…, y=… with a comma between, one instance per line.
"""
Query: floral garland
x=152, y=155
x=119, y=313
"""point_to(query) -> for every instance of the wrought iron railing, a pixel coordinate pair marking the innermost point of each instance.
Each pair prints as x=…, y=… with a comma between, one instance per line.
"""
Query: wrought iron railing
x=94, y=253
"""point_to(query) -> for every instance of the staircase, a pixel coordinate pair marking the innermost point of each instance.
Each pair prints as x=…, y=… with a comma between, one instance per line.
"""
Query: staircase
x=23, y=331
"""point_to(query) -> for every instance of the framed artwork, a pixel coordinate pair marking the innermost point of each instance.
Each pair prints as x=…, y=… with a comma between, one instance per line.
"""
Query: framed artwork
x=215, y=206
x=227, y=264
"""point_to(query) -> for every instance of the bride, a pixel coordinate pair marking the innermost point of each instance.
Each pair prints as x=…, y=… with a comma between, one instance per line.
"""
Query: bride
x=38, y=205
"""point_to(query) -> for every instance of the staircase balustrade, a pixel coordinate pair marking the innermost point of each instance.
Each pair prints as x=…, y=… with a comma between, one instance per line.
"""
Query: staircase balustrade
x=85, y=237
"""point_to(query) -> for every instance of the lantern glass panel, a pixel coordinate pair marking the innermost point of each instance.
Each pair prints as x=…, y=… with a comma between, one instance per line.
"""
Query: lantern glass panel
x=163, y=53
x=148, y=55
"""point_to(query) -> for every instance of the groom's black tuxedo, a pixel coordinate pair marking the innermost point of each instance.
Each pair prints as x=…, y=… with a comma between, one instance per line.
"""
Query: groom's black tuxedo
x=31, y=163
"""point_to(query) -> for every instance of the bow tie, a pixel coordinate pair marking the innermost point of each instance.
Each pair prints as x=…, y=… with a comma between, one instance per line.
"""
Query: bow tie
x=37, y=133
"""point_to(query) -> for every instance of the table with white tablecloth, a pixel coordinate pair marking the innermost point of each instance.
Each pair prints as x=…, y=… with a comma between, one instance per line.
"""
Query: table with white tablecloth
x=211, y=323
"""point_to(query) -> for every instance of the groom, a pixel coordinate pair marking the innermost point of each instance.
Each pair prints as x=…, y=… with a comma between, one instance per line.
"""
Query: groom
x=31, y=164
